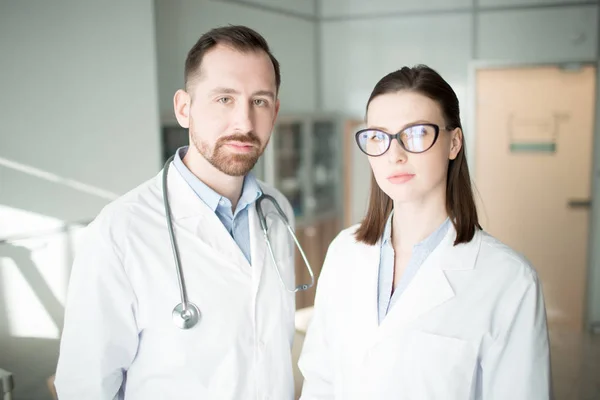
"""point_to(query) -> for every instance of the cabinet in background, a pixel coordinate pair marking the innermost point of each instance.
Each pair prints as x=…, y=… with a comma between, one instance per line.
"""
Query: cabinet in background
x=304, y=160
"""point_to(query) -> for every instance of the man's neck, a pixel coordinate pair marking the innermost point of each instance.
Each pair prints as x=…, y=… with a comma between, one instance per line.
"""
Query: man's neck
x=225, y=185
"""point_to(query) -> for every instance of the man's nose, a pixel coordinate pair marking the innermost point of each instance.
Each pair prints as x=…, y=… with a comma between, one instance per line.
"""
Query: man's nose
x=243, y=118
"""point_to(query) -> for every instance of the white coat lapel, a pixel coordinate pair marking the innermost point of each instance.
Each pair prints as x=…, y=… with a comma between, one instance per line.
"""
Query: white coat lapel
x=364, y=291
x=212, y=231
x=430, y=287
x=258, y=246
x=190, y=214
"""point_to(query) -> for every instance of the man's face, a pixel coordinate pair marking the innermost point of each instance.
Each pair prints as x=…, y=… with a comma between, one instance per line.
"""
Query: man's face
x=232, y=108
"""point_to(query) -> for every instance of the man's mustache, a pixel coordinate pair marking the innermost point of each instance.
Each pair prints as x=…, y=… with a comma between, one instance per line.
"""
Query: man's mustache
x=247, y=138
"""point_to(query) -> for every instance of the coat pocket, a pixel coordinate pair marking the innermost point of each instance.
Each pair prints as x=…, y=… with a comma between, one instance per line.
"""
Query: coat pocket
x=441, y=367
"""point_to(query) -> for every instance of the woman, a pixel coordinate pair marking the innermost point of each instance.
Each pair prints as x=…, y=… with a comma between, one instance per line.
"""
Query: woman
x=417, y=302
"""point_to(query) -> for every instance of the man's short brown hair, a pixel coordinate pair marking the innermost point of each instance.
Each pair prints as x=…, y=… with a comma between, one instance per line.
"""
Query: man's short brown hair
x=239, y=37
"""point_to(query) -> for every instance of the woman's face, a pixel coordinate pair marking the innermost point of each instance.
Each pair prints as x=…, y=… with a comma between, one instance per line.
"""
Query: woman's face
x=407, y=177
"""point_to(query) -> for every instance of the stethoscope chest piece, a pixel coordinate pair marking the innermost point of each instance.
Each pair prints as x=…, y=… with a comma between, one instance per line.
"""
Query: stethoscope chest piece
x=186, y=319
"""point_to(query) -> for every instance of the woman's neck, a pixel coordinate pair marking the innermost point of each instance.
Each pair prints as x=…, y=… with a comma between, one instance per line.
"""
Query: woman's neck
x=414, y=222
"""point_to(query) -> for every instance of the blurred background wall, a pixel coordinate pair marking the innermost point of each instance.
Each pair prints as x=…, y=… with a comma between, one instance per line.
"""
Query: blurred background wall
x=86, y=109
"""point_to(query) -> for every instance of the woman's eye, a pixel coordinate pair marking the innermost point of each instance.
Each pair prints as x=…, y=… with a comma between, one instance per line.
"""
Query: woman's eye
x=421, y=130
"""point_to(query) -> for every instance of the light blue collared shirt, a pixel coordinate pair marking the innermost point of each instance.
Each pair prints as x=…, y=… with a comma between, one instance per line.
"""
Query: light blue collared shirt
x=420, y=252
x=236, y=223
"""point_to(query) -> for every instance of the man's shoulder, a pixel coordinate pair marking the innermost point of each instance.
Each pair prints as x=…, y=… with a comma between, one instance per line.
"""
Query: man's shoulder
x=117, y=214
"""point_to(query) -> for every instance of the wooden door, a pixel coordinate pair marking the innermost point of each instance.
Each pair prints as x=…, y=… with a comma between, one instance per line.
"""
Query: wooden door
x=533, y=163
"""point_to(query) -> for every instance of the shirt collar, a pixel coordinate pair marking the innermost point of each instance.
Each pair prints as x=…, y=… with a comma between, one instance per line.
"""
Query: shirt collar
x=250, y=192
x=250, y=189
x=387, y=231
x=429, y=242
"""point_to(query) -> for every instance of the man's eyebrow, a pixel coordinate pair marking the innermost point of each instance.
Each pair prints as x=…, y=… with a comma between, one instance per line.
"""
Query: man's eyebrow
x=267, y=93
x=226, y=90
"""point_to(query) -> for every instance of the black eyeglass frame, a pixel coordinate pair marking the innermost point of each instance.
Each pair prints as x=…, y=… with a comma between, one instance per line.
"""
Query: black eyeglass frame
x=397, y=137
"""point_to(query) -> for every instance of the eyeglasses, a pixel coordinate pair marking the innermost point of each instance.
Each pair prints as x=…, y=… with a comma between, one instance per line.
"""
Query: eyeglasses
x=414, y=139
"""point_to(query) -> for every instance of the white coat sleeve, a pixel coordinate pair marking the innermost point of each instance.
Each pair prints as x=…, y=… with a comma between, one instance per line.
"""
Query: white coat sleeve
x=316, y=360
x=99, y=339
x=517, y=364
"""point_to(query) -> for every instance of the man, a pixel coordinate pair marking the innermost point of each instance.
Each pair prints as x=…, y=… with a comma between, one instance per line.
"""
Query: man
x=122, y=337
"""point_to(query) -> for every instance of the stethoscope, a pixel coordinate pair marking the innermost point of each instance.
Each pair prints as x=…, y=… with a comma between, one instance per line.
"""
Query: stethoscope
x=186, y=314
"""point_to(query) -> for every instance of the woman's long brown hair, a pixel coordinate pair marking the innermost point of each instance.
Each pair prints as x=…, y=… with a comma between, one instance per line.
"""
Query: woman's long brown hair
x=460, y=202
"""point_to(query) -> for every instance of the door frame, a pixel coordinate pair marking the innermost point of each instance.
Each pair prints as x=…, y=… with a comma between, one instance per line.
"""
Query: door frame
x=591, y=315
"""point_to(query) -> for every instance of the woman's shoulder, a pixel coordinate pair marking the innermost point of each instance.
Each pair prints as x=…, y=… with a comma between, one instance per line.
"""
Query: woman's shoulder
x=345, y=247
x=346, y=239
x=499, y=256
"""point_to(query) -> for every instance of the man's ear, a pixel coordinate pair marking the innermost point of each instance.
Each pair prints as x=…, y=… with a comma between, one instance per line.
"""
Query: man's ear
x=277, y=104
x=181, y=105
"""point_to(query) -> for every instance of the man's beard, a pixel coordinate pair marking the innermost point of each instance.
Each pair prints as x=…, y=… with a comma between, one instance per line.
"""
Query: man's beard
x=230, y=164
